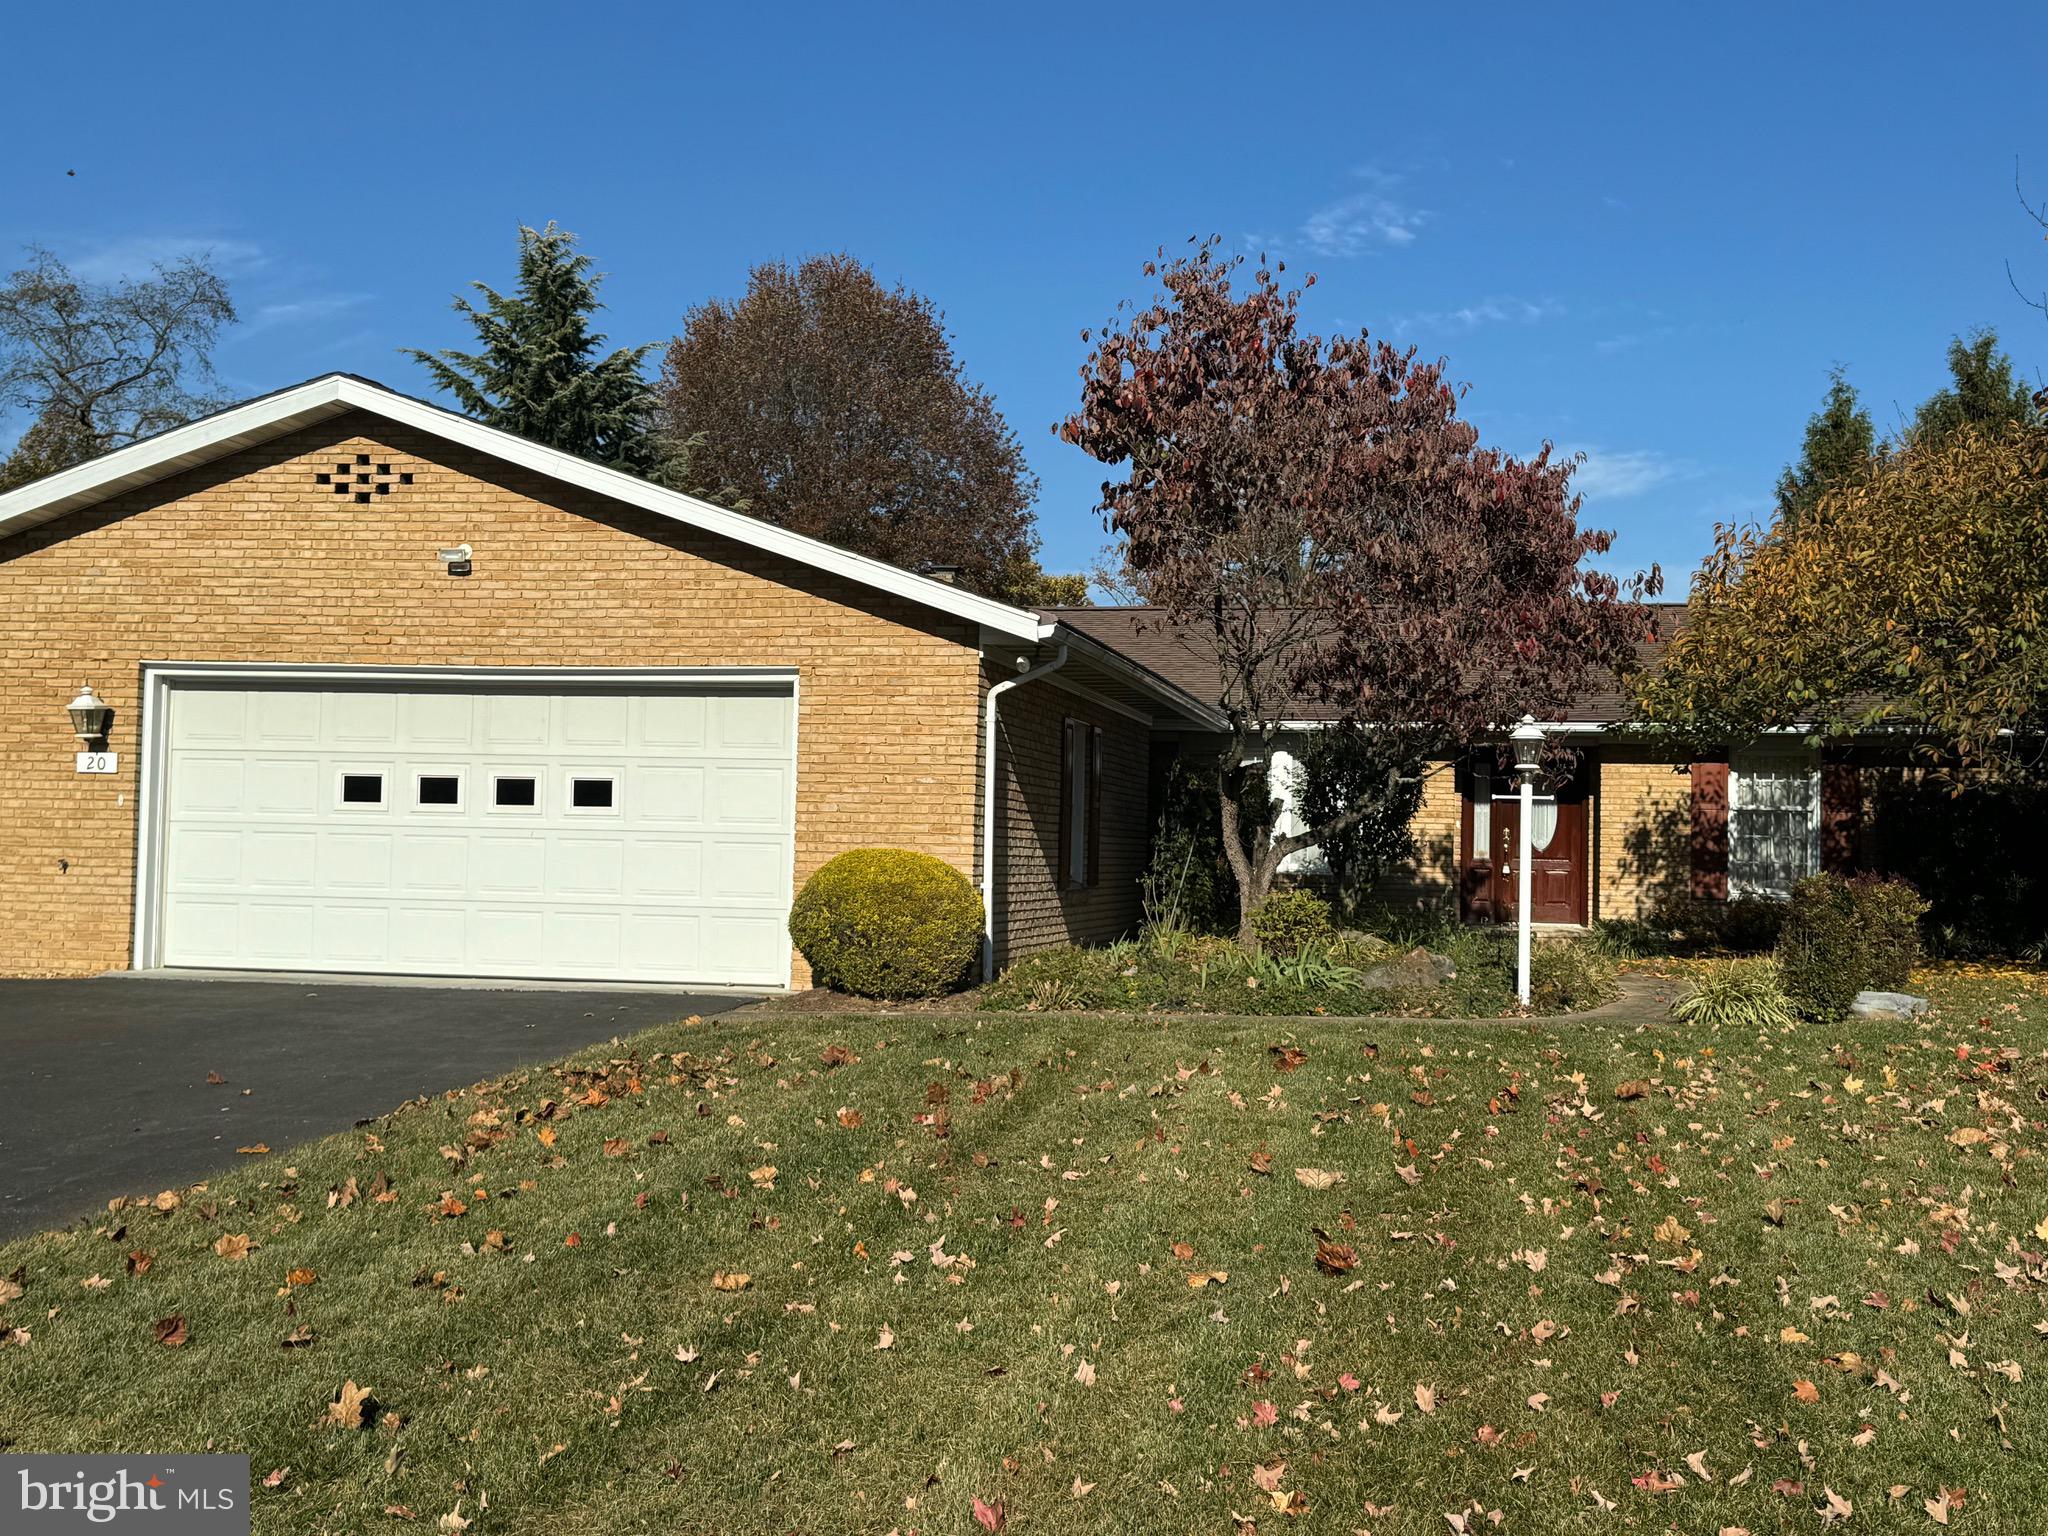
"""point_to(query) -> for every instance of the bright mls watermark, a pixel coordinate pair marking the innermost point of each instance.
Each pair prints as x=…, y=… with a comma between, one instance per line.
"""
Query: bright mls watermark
x=157, y=1495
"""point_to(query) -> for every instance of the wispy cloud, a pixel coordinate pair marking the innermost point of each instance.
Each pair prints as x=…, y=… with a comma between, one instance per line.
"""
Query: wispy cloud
x=1375, y=215
x=135, y=256
x=1470, y=317
x=310, y=310
x=1614, y=474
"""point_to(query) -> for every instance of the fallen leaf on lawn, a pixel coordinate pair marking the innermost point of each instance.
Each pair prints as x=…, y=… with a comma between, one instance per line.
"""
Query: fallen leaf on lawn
x=95, y=1282
x=1080, y=1490
x=1385, y=1415
x=1265, y=1414
x=721, y=1280
x=851, y=1119
x=352, y=1408
x=1262, y=1161
x=233, y=1245
x=298, y=1338
x=1698, y=1462
x=169, y=1331
x=1318, y=1178
x=276, y=1479
x=1335, y=1258
x=10, y=1290
x=1834, y=1508
x=764, y=1176
x=1207, y=1277
x=300, y=1277
x=989, y=1516
x=138, y=1264
x=1634, y=1088
x=1655, y=1481
x=256, y=1151
x=1937, y=1509
x=1267, y=1477
x=887, y=1339
x=1805, y=1391
x=1084, y=1373
x=617, y=1146
x=1286, y=1057
x=1539, y=1400
x=1183, y=1251
x=1425, y=1398
x=453, y=1523
x=1671, y=1231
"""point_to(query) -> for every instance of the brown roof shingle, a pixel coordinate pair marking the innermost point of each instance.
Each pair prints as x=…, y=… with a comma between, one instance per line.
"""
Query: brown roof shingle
x=1146, y=636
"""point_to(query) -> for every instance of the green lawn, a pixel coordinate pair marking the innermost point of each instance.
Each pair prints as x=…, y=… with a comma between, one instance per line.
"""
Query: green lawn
x=1601, y=1277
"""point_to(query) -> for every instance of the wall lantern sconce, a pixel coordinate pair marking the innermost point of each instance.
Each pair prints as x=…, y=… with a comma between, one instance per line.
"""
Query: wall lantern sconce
x=90, y=716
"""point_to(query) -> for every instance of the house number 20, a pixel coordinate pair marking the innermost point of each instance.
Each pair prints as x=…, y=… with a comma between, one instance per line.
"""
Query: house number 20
x=99, y=762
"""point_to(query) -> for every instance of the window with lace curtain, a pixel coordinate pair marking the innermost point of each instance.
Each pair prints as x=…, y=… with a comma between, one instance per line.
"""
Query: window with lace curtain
x=1773, y=823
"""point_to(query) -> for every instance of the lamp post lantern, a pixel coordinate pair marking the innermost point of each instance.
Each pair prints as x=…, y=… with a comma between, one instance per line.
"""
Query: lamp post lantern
x=1527, y=740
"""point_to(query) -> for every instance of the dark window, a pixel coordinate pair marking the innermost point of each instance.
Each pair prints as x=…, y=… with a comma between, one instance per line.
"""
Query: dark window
x=517, y=793
x=362, y=789
x=1080, y=803
x=440, y=789
x=590, y=794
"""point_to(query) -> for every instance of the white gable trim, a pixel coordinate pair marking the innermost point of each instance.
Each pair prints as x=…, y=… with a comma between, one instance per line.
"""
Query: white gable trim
x=270, y=416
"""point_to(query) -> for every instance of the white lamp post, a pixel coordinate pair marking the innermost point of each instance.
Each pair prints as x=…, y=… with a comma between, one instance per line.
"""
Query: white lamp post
x=1527, y=739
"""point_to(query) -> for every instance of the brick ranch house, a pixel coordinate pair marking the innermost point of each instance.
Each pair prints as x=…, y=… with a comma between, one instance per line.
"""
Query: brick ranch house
x=395, y=692
x=1627, y=827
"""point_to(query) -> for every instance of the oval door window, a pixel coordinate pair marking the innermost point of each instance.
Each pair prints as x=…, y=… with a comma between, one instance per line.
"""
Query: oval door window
x=1542, y=825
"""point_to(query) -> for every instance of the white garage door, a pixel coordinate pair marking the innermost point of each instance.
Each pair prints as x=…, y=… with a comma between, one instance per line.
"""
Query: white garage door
x=604, y=833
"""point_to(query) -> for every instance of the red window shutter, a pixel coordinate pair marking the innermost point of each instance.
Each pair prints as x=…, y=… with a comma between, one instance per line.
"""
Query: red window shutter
x=1710, y=830
x=1095, y=806
x=1066, y=803
x=1841, y=816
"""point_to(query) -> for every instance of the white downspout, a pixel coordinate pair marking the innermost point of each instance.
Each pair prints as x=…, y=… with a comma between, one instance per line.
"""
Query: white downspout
x=988, y=809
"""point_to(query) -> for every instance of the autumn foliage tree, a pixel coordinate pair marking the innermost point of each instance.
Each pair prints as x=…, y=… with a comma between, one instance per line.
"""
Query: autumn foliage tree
x=1316, y=519
x=833, y=406
x=1913, y=599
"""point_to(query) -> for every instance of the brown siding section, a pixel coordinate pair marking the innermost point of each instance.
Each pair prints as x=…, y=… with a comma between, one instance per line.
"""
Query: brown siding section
x=1710, y=830
x=1033, y=910
x=1841, y=817
x=250, y=560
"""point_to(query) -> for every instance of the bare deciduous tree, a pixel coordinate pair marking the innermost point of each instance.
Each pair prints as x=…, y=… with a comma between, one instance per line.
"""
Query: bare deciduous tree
x=101, y=364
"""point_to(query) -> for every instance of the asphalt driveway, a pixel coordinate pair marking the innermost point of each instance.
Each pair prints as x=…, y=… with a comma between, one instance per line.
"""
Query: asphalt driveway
x=103, y=1081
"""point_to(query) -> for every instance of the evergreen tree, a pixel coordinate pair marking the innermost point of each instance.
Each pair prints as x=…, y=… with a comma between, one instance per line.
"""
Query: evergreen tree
x=537, y=372
x=1840, y=442
x=1983, y=392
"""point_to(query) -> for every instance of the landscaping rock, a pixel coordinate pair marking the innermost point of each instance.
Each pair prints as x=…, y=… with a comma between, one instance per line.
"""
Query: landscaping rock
x=1417, y=970
x=1887, y=1005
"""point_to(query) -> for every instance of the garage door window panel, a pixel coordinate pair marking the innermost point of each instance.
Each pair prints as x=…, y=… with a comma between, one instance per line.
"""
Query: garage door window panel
x=360, y=789
x=438, y=792
x=593, y=794
x=515, y=792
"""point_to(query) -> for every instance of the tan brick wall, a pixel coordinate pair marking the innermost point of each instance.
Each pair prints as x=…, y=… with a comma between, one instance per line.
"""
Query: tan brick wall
x=249, y=560
x=1642, y=818
x=1429, y=875
x=1032, y=911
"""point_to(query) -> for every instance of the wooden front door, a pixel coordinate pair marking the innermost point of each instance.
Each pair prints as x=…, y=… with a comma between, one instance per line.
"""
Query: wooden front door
x=1557, y=871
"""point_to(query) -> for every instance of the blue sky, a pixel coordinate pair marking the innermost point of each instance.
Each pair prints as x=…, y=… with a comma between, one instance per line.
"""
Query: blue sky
x=1641, y=232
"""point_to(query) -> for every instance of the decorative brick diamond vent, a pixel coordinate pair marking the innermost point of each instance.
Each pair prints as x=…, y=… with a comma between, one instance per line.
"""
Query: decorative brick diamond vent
x=365, y=479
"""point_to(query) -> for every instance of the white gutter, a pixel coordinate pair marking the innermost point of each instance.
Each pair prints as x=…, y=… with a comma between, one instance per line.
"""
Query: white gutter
x=988, y=808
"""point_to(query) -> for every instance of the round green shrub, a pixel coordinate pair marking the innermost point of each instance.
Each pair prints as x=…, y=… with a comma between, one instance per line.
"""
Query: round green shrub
x=886, y=922
x=1286, y=922
x=1891, y=911
x=1823, y=952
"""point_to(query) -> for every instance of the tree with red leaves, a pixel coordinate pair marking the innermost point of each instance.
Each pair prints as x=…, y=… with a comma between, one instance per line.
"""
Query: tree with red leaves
x=1316, y=518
